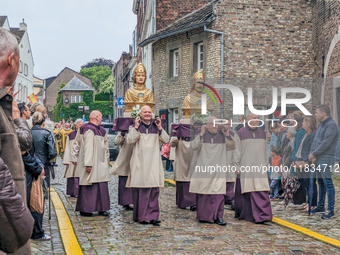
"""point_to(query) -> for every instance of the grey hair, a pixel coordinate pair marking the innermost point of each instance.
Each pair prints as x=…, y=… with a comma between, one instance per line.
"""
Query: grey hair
x=291, y=130
x=8, y=44
x=78, y=121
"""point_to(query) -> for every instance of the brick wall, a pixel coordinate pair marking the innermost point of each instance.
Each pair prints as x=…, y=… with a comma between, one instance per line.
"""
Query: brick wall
x=264, y=41
x=168, y=11
x=64, y=77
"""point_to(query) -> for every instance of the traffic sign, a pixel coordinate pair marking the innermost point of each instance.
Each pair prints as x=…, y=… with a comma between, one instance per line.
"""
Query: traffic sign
x=120, y=100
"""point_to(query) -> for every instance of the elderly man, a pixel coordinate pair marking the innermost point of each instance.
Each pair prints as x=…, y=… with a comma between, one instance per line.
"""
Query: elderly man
x=146, y=168
x=208, y=180
x=254, y=204
x=10, y=149
x=65, y=132
x=93, y=164
x=121, y=167
x=72, y=186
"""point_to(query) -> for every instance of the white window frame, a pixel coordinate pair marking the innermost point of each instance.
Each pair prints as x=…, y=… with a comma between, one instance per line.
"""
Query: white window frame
x=175, y=61
x=199, y=54
x=26, y=69
x=76, y=99
x=20, y=66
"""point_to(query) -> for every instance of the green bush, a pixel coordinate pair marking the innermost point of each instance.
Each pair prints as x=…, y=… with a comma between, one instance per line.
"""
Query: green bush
x=101, y=96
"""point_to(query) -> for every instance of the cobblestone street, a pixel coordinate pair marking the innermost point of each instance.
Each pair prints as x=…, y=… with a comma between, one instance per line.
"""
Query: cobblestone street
x=180, y=233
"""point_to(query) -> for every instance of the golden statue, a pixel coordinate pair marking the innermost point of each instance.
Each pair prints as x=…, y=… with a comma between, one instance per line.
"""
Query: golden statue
x=138, y=94
x=193, y=101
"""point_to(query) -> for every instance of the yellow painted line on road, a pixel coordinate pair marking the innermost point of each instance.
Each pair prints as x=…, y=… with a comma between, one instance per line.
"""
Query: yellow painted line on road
x=70, y=241
x=295, y=227
x=307, y=231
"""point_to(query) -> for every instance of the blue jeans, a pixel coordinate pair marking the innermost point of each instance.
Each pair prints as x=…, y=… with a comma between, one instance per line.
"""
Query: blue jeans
x=274, y=188
x=325, y=182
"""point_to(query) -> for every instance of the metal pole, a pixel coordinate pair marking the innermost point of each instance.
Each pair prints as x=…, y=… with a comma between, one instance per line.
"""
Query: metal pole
x=49, y=196
x=222, y=63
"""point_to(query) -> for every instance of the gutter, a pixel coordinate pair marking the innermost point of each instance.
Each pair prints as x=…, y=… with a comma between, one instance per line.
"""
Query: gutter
x=222, y=63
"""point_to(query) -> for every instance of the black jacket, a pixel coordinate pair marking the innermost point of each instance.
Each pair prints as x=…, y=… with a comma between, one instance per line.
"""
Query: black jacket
x=44, y=147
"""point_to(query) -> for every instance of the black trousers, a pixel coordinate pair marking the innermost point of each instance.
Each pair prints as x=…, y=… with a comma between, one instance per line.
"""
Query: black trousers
x=38, y=231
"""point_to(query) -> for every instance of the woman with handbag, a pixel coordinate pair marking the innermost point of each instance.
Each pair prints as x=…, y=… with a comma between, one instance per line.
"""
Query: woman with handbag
x=43, y=149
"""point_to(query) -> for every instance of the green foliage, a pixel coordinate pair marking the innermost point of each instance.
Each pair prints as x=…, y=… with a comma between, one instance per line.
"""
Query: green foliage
x=107, y=85
x=103, y=106
x=87, y=97
x=101, y=96
x=97, y=74
x=57, y=113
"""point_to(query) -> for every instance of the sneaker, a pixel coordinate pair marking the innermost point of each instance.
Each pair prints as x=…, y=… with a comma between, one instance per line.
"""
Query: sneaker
x=44, y=238
x=327, y=215
x=318, y=210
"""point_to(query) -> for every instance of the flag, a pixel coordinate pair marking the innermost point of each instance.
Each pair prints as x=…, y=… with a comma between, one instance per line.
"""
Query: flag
x=17, y=93
x=33, y=99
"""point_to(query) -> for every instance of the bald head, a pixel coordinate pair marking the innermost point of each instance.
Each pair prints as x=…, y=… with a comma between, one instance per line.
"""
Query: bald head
x=253, y=120
x=146, y=114
x=96, y=117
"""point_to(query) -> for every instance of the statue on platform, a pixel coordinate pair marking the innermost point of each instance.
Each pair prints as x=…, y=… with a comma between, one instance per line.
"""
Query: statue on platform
x=193, y=101
x=139, y=94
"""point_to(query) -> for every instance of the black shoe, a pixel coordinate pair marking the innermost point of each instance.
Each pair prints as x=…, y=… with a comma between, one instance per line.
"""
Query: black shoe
x=220, y=222
x=193, y=208
x=204, y=221
x=144, y=222
x=104, y=213
x=232, y=207
x=127, y=207
x=73, y=196
x=86, y=214
x=228, y=202
x=155, y=222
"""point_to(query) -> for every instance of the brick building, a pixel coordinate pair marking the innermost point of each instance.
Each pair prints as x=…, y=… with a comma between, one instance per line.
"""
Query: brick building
x=265, y=42
x=326, y=45
x=52, y=85
x=121, y=76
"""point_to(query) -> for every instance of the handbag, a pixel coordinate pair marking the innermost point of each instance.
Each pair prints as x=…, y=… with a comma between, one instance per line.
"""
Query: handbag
x=37, y=196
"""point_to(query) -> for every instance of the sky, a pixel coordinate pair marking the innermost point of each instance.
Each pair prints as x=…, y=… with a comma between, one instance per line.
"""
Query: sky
x=72, y=32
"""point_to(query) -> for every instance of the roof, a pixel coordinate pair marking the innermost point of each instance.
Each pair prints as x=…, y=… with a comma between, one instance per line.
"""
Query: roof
x=76, y=84
x=40, y=94
x=199, y=18
x=19, y=33
x=2, y=20
x=49, y=81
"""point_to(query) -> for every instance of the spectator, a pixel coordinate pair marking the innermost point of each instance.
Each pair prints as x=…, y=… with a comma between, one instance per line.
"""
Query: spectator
x=322, y=153
x=25, y=113
x=274, y=129
x=241, y=120
x=10, y=152
x=275, y=176
x=49, y=125
x=282, y=138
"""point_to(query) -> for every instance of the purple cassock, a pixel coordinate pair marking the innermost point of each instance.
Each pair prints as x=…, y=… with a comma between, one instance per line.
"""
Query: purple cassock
x=256, y=204
x=210, y=207
x=124, y=194
x=229, y=195
x=238, y=199
x=184, y=198
x=72, y=185
x=145, y=200
x=95, y=197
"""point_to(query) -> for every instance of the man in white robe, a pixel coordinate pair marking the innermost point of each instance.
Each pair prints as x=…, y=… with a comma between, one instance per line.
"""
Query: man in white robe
x=121, y=167
x=252, y=201
x=146, y=168
x=93, y=167
x=208, y=180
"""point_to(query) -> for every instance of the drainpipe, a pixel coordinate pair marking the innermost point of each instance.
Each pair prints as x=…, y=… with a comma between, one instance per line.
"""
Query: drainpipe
x=222, y=63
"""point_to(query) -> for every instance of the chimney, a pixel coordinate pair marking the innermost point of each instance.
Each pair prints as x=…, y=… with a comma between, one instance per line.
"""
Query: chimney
x=23, y=25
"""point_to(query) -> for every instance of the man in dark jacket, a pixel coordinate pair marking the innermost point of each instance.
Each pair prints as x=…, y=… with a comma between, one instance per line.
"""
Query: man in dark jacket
x=322, y=154
x=10, y=151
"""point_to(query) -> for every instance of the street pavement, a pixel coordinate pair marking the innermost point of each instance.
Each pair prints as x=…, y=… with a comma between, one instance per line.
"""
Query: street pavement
x=180, y=233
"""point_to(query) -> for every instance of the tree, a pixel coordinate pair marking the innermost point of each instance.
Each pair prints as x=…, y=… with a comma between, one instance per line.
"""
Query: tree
x=107, y=85
x=99, y=62
x=97, y=74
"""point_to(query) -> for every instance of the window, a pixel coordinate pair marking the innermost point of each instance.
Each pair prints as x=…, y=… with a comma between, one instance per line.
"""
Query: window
x=26, y=69
x=175, y=63
x=200, y=56
x=20, y=67
x=175, y=116
x=76, y=99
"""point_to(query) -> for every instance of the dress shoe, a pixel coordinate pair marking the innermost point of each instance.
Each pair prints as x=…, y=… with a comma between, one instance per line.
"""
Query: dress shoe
x=193, y=208
x=127, y=207
x=144, y=222
x=104, y=213
x=204, y=221
x=232, y=207
x=86, y=214
x=73, y=196
x=155, y=222
x=220, y=221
